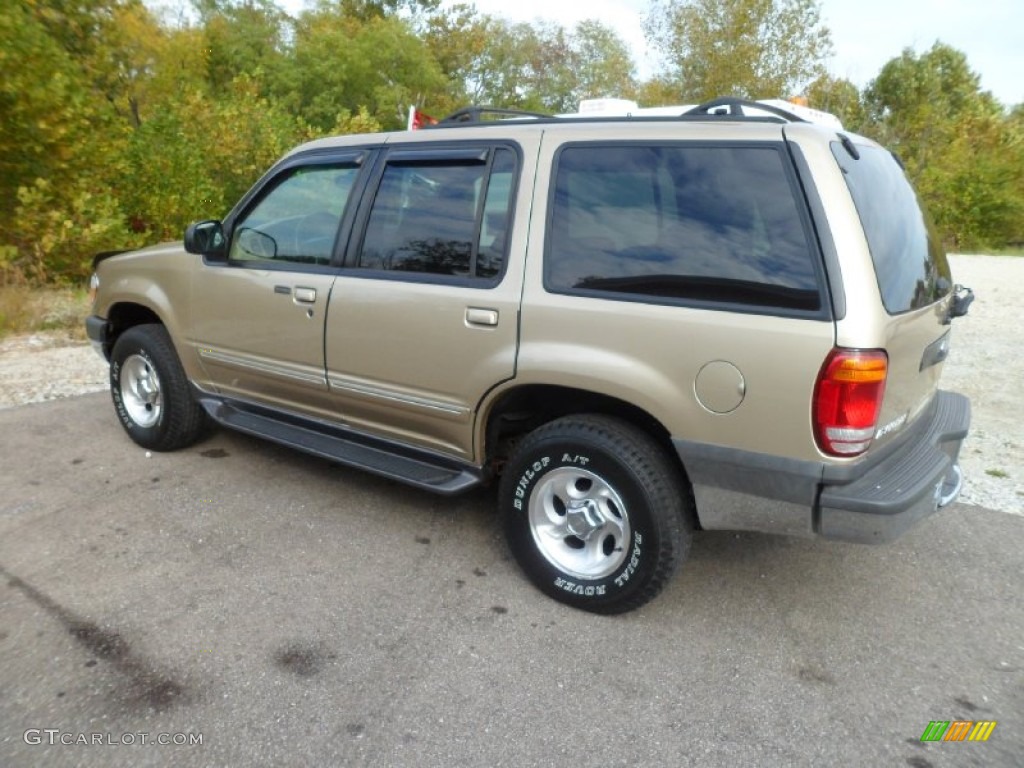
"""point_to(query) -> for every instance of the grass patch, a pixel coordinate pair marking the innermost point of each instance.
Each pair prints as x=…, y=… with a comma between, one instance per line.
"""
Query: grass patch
x=31, y=310
x=996, y=473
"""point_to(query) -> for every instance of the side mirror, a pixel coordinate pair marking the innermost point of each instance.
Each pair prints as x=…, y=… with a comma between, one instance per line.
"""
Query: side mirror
x=206, y=238
x=961, y=301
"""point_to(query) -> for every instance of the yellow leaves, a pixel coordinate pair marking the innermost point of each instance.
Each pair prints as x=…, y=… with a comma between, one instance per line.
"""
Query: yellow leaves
x=55, y=231
x=754, y=48
x=361, y=122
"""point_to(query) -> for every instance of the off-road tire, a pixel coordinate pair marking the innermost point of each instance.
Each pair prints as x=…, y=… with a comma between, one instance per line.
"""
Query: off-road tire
x=615, y=486
x=151, y=392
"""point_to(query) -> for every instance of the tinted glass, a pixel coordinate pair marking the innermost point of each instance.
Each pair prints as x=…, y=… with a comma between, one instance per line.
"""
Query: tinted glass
x=297, y=221
x=424, y=219
x=714, y=223
x=427, y=217
x=910, y=263
x=497, y=215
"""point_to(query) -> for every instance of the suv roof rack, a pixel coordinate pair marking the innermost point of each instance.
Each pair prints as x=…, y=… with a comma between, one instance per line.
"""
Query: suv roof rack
x=735, y=107
x=475, y=114
x=726, y=109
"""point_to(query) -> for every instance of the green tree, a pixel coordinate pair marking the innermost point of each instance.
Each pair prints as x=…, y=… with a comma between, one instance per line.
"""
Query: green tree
x=959, y=147
x=242, y=37
x=41, y=104
x=541, y=67
x=198, y=156
x=60, y=138
x=603, y=64
x=458, y=38
x=563, y=67
x=342, y=63
x=840, y=97
x=503, y=73
x=915, y=98
x=749, y=48
x=658, y=91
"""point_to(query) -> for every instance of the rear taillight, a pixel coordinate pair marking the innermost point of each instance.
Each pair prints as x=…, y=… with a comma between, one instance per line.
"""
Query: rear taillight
x=848, y=399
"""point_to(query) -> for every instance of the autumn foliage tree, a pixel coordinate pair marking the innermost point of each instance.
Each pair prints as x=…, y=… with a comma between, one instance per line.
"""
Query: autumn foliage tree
x=62, y=135
x=752, y=48
x=963, y=153
x=121, y=125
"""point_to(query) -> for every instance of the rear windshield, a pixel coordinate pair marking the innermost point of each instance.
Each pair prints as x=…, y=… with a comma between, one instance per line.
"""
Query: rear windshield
x=910, y=263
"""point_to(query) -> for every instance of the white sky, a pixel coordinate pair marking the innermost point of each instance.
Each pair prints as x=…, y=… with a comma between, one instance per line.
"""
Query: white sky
x=865, y=33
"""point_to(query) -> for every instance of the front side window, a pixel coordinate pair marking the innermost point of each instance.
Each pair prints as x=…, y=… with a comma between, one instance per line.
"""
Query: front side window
x=708, y=223
x=442, y=217
x=297, y=221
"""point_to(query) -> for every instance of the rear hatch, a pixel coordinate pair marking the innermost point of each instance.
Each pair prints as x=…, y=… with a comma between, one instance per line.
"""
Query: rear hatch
x=914, y=282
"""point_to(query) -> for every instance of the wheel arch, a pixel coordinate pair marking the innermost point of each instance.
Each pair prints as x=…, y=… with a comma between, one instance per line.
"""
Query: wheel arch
x=514, y=412
x=124, y=315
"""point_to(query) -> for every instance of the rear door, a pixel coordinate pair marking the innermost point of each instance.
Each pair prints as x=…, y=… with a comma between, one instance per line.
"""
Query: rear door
x=424, y=318
x=680, y=275
x=913, y=280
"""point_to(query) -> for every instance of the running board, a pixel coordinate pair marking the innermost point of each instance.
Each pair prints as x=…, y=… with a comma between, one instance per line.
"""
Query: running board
x=398, y=462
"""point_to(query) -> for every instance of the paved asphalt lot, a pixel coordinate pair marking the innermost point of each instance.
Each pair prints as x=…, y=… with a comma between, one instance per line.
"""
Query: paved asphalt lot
x=295, y=613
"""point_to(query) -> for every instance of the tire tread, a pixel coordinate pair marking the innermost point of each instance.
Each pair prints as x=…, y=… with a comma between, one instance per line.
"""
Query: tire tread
x=185, y=421
x=667, y=490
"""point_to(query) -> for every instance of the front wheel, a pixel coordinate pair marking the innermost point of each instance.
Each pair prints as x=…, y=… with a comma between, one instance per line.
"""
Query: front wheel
x=595, y=513
x=151, y=391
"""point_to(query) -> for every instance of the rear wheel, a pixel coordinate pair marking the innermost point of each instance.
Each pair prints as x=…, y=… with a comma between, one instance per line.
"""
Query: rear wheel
x=151, y=392
x=595, y=513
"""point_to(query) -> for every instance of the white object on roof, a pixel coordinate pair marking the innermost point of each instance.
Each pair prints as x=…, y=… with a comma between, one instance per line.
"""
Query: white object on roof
x=607, y=107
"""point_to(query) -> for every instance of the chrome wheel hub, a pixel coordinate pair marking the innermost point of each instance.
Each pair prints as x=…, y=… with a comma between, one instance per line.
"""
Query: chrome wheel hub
x=583, y=518
x=579, y=523
x=140, y=391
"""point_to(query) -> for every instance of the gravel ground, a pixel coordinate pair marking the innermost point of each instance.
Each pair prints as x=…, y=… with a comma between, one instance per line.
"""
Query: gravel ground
x=987, y=364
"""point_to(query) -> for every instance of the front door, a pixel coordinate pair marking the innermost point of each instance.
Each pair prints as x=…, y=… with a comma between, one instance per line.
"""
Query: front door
x=259, y=318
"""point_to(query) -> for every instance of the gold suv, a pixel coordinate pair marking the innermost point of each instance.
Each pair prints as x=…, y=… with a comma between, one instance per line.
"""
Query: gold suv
x=636, y=327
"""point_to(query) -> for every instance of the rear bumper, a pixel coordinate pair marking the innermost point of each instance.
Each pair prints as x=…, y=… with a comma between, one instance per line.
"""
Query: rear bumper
x=869, y=501
x=907, y=486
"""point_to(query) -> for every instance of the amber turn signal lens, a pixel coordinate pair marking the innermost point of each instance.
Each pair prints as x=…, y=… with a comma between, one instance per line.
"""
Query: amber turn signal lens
x=848, y=400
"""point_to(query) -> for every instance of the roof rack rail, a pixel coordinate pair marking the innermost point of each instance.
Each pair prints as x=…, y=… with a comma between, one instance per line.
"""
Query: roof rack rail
x=729, y=108
x=735, y=106
x=476, y=114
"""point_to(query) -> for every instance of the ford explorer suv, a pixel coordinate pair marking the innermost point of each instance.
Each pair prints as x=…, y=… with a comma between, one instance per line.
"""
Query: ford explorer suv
x=633, y=327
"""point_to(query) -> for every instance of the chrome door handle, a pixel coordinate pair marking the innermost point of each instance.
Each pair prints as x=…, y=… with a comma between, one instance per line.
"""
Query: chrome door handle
x=481, y=316
x=305, y=295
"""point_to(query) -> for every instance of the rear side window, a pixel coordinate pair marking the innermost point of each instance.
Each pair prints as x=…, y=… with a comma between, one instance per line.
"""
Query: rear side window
x=699, y=223
x=442, y=217
x=910, y=263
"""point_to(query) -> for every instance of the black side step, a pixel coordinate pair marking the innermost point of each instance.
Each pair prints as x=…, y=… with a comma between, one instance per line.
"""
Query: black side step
x=355, y=449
